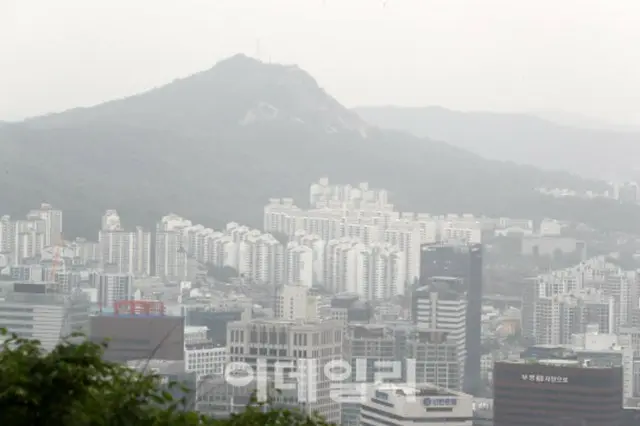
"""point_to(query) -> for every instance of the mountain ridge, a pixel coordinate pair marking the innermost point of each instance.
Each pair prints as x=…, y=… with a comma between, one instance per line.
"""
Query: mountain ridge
x=188, y=147
x=518, y=137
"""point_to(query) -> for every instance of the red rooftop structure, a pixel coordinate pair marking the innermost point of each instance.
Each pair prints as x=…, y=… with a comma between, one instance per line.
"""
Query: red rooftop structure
x=138, y=307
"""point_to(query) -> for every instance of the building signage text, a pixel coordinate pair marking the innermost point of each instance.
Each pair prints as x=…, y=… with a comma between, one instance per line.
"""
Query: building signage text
x=440, y=402
x=544, y=379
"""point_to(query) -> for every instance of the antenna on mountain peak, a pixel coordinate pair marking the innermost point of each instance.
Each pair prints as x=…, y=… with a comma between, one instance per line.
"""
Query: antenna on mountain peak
x=258, y=48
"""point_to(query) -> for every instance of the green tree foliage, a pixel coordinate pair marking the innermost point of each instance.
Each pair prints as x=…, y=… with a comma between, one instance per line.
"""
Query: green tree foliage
x=224, y=273
x=73, y=386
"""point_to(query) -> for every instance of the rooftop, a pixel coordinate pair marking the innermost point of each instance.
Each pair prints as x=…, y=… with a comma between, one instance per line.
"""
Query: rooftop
x=556, y=363
x=417, y=390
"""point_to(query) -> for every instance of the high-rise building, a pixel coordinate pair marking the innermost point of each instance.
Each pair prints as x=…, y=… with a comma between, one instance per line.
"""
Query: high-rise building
x=261, y=258
x=462, y=261
x=52, y=219
x=557, y=317
x=7, y=234
x=437, y=356
x=123, y=251
x=170, y=252
x=39, y=311
x=29, y=241
x=86, y=252
x=307, y=345
x=442, y=305
x=369, y=347
x=298, y=265
x=556, y=392
x=111, y=287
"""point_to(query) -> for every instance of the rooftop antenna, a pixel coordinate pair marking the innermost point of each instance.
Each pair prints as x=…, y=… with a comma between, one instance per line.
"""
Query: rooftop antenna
x=258, y=48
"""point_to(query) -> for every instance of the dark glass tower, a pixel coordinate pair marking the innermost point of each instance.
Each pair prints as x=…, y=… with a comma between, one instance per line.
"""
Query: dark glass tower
x=461, y=261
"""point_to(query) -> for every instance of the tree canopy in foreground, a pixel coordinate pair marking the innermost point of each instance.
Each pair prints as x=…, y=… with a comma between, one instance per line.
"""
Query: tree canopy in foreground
x=73, y=386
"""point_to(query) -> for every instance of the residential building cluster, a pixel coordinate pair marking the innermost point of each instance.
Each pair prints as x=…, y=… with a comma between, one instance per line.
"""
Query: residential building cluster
x=397, y=295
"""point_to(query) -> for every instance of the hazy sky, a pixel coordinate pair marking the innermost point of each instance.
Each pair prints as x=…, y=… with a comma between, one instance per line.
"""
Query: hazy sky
x=573, y=55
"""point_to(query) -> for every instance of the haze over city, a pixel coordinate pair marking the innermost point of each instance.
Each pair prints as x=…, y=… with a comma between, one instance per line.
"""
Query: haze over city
x=357, y=213
x=493, y=55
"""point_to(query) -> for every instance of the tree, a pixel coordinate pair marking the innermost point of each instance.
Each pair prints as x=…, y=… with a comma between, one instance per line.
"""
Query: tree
x=222, y=273
x=72, y=386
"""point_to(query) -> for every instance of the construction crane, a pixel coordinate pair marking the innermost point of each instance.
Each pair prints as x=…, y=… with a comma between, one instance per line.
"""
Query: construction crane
x=57, y=260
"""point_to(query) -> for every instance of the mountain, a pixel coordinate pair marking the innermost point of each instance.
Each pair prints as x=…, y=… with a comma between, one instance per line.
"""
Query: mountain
x=580, y=121
x=521, y=138
x=216, y=145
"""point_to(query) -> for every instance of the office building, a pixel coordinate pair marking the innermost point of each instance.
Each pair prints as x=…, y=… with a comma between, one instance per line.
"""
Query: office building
x=436, y=354
x=461, y=261
x=201, y=355
x=556, y=392
x=368, y=347
x=139, y=329
x=390, y=404
x=308, y=346
x=442, y=305
x=39, y=311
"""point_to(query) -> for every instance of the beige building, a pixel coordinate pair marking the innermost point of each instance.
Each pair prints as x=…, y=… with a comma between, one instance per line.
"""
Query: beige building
x=303, y=347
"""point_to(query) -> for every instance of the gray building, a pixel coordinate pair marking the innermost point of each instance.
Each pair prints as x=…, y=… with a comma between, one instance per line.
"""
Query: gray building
x=132, y=337
x=368, y=345
x=436, y=354
x=38, y=311
x=442, y=305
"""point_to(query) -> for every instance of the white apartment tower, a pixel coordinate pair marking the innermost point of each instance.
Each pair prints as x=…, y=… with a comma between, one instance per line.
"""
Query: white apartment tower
x=298, y=266
x=7, y=234
x=111, y=287
x=171, y=255
x=406, y=236
x=558, y=317
x=126, y=252
x=29, y=239
x=317, y=246
x=261, y=258
x=52, y=223
x=293, y=302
